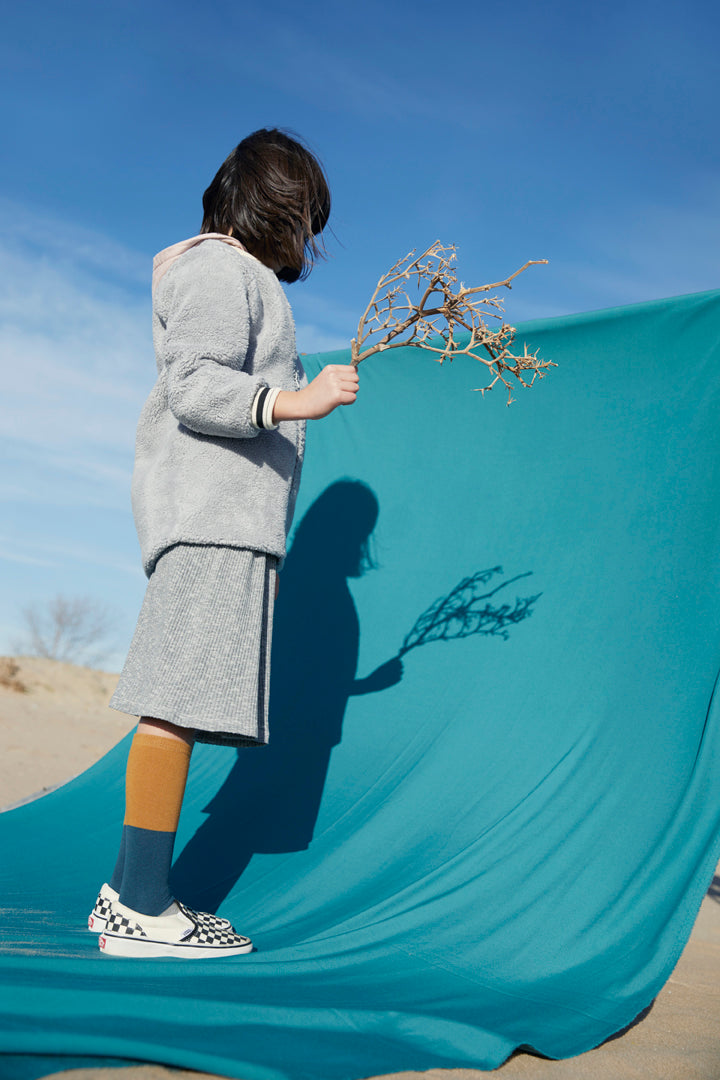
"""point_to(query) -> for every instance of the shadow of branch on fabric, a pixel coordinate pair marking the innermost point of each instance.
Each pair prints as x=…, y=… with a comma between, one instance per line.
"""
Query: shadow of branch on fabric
x=462, y=612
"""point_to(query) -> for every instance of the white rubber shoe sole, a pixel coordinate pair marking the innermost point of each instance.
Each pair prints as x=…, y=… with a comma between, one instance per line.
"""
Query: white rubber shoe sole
x=115, y=946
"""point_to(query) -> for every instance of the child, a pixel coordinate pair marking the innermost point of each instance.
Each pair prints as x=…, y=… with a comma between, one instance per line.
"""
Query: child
x=218, y=458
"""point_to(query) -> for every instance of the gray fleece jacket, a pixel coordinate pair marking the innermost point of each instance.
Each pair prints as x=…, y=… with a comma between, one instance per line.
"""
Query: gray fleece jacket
x=204, y=474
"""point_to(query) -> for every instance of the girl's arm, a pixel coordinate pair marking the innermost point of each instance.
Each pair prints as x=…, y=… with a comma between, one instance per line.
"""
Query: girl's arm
x=337, y=384
x=207, y=302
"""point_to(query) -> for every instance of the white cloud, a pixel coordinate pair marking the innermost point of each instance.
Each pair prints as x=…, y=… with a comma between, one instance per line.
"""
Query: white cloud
x=10, y=555
x=76, y=352
x=77, y=363
x=44, y=236
x=56, y=552
x=653, y=251
x=32, y=475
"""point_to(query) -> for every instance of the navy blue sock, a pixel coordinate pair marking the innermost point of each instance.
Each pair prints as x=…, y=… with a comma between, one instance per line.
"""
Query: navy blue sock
x=148, y=856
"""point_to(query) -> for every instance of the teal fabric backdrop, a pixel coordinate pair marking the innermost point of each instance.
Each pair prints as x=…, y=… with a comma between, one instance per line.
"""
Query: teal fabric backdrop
x=489, y=811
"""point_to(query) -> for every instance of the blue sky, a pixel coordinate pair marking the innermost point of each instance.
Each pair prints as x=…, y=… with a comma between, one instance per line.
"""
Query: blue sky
x=583, y=134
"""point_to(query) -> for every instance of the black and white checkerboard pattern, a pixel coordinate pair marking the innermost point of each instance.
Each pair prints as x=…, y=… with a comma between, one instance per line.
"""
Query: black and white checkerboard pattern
x=204, y=918
x=214, y=936
x=210, y=933
x=117, y=924
x=103, y=907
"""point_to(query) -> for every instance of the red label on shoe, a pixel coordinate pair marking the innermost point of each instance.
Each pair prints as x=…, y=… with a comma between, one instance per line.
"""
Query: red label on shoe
x=101, y=942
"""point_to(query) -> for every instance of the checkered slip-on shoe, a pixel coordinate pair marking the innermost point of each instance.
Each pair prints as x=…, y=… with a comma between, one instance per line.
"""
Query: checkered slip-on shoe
x=98, y=917
x=187, y=934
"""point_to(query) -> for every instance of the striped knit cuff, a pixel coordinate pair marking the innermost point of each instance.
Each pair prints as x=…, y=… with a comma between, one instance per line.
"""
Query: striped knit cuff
x=262, y=408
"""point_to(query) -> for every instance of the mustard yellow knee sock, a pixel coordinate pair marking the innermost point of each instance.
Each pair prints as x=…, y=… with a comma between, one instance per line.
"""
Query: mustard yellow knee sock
x=157, y=770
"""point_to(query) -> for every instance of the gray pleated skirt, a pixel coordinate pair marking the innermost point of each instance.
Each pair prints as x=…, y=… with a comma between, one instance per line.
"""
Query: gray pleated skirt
x=200, y=656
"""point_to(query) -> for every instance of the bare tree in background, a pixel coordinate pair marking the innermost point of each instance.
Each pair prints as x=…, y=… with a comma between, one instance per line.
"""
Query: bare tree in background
x=74, y=629
x=440, y=311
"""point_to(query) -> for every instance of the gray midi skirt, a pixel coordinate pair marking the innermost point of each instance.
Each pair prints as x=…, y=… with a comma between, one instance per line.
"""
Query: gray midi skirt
x=200, y=656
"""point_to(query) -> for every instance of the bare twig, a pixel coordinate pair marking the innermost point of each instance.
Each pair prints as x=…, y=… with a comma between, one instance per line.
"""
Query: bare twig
x=440, y=312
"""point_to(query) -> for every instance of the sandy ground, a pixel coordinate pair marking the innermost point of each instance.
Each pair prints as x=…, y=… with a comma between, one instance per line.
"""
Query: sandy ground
x=54, y=723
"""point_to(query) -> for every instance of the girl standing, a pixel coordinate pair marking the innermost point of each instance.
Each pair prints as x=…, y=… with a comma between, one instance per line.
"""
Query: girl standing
x=218, y=458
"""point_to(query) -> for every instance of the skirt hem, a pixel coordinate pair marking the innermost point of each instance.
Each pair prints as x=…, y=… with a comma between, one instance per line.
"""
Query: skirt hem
x=204, y=728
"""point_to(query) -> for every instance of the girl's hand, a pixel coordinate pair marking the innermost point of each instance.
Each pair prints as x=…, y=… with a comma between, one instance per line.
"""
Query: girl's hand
x=337, y=384
x=388, y=674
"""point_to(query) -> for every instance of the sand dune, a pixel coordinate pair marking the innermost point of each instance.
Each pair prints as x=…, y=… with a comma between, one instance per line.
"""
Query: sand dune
x=54, y=723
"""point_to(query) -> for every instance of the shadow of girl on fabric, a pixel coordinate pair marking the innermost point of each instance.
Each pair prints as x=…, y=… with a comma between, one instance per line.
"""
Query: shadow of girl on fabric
x=270, y=800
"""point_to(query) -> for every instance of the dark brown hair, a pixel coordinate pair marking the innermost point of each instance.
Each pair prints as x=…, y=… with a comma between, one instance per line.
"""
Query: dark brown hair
x=272, y=194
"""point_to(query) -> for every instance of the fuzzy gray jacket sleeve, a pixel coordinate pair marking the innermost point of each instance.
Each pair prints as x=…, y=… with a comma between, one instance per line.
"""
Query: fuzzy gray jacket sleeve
x=207, y=343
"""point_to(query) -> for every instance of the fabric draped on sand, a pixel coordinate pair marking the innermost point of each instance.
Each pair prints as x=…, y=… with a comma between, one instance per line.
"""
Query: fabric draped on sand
x=500, y=840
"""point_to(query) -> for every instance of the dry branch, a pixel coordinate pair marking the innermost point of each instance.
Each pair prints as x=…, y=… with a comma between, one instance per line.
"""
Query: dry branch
x=440, y=312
